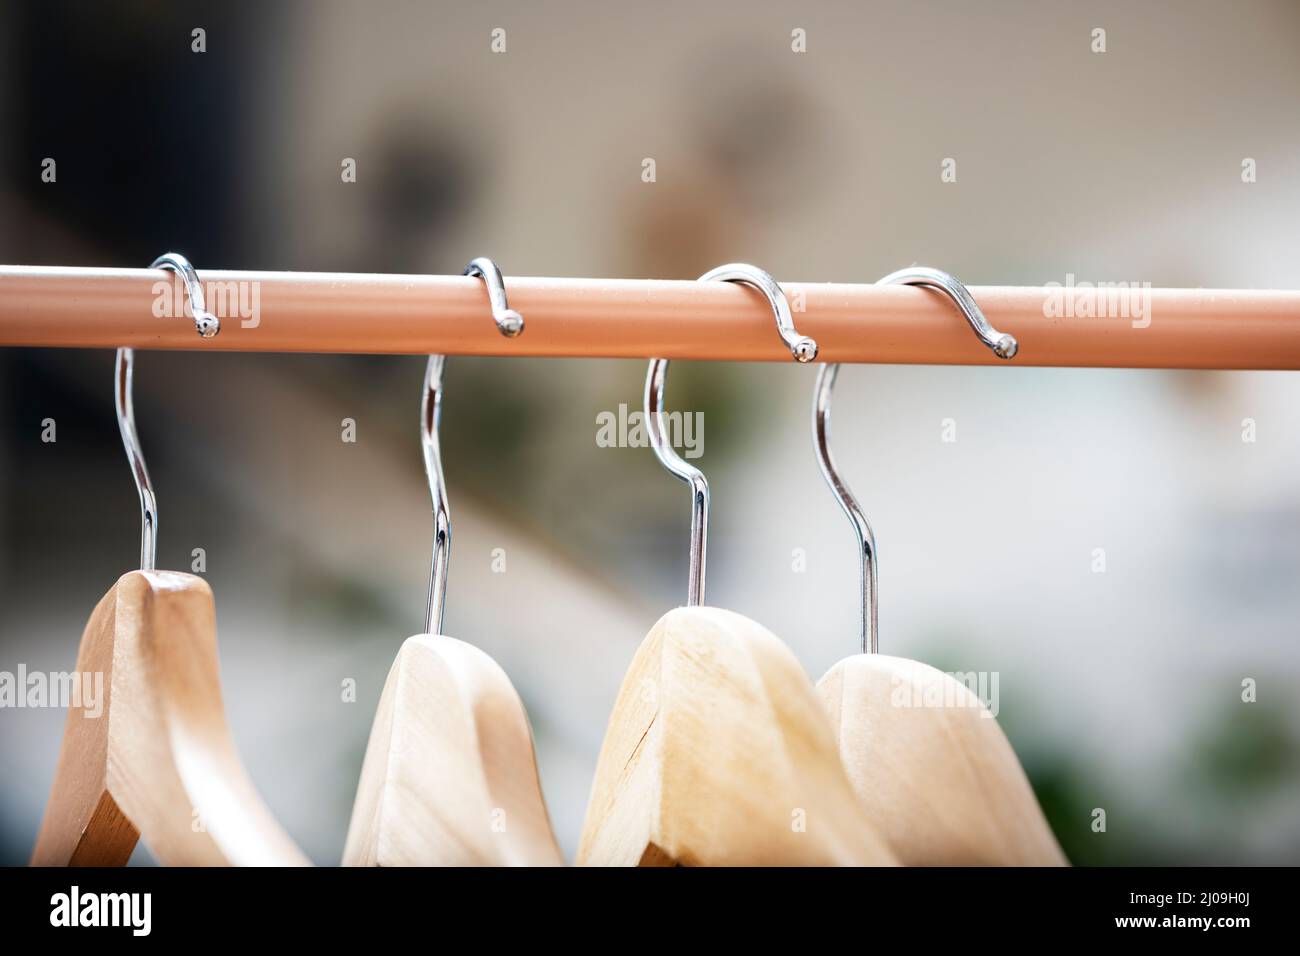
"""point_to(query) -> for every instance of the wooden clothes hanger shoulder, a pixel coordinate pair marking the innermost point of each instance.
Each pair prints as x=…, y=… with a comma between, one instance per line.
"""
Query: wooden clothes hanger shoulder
x=158, y=760
x=929, y=763
x=933, y=768
x=450, y=775
x=718, y=751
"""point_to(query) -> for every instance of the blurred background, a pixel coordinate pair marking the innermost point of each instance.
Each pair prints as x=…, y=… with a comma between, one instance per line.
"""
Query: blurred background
x=1120, y=690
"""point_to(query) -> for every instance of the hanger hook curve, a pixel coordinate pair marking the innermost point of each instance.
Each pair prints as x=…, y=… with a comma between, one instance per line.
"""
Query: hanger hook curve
x=207, y=325
x=510, y=323
x=663, y=449
x=802, y=348
x=123, y=375
x=1004, y=346
x=430, y=416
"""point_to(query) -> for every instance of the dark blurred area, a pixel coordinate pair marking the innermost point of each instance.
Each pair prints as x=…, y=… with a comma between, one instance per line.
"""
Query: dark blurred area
x=1121, y=690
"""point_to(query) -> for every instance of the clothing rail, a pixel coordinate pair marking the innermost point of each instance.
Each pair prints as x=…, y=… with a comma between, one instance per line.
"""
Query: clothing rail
x=634, y=318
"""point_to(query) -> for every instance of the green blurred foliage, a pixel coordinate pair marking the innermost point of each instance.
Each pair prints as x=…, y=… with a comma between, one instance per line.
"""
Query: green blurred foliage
x=1236, y=752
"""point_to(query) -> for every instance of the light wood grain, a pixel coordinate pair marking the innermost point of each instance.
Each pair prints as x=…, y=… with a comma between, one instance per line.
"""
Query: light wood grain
x=159, y=763
x=718, y=752
x=449, y=777
x=941, y=783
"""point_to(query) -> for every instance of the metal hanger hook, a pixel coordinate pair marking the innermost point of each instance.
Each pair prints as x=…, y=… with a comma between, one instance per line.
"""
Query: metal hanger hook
x=430, y=416
x=1004, y=346
x=663, y=449
x=509, y=322
x=207, y=325
x=123, y=374
x=801, y=347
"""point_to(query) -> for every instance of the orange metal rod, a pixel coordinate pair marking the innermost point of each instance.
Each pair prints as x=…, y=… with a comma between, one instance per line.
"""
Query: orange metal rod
x=343, y=312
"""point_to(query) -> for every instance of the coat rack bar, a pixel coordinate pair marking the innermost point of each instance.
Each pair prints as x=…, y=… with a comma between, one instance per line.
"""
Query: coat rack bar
x=64, y=307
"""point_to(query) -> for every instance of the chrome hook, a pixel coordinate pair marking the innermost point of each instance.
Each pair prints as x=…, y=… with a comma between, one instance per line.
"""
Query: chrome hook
x=801, y=347
x=207, y=325
x=654, y=405
x=1003, y=346
x=510, y=323
x=430, y=415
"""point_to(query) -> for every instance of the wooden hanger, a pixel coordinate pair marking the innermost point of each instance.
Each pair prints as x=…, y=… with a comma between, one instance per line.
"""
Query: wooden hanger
x=931, y=766
x=940, y=781
x=157, y=760
x=718, y=751
x=450, y=776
